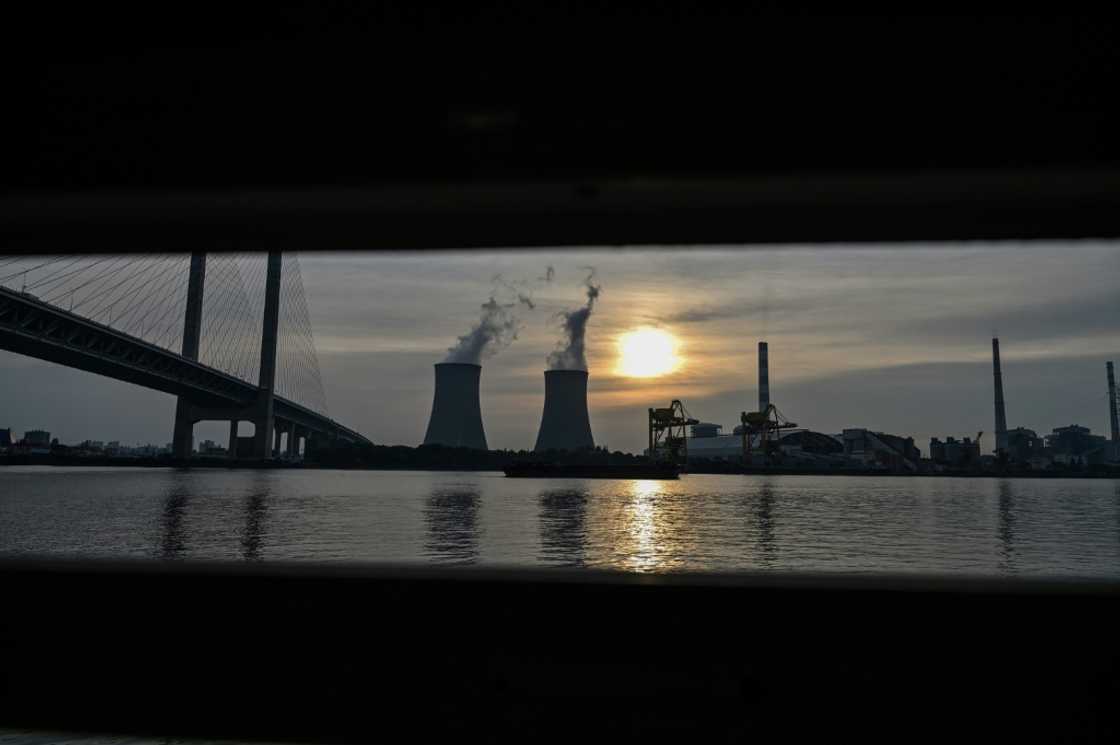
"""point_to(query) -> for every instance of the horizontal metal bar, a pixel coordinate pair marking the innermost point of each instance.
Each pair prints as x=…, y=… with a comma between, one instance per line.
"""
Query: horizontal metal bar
x=771, y=208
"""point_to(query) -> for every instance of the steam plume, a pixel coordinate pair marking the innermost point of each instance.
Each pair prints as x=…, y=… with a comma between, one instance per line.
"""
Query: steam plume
x=570, y=353
x=497, y=326
x=516, y=287
x=495, y=330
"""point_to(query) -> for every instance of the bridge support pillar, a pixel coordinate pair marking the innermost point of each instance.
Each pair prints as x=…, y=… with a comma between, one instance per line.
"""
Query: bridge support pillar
x=265, y=426
x=233, y=439
x=290, y=448
x=182, y=442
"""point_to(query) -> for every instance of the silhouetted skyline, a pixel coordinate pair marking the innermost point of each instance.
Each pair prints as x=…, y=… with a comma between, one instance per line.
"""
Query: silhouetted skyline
x=884, y=338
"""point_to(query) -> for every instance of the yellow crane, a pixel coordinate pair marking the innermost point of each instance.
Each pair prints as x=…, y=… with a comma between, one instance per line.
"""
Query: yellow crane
x=768, y=426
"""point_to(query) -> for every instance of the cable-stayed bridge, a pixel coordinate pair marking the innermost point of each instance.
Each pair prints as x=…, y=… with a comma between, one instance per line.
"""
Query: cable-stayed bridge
x=228, y=334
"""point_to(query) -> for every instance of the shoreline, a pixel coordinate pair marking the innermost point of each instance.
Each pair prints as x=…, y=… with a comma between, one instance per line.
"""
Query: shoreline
x=225, y=463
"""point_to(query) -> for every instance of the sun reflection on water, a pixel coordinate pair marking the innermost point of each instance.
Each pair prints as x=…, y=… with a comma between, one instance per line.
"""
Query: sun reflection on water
x=641, y=527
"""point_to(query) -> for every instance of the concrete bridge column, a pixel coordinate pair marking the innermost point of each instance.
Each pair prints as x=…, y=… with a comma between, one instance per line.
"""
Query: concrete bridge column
x=233, y=439
x=290, y=448
x=277, y=435
x=182, y=441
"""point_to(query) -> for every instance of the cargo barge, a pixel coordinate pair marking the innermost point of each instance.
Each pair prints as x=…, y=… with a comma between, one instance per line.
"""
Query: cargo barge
x=590, y=471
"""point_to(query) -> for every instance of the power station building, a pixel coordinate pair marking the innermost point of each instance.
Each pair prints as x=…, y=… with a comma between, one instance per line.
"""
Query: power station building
x=708, y=443
x=37, y=438
x=955, y=453
x=456, y=419
x=879, y=449
x=1024, y=445
x=1076, y=443
x=858, y=448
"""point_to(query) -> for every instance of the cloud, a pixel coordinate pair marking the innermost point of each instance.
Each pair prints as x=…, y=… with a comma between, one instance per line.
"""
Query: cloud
x=1025, y=319
x=741, y=310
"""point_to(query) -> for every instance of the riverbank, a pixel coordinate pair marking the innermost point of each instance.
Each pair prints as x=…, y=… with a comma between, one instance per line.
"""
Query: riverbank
x=215, y=462
x=1090, y=472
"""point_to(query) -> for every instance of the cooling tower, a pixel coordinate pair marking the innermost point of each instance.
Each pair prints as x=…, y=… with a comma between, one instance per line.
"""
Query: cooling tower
x=1001, y=415
x=456, y=413
x=763, y=376
x=565, y=424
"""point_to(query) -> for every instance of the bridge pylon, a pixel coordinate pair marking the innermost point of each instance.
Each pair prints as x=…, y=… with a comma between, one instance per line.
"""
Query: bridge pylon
x=266, y=440
x=183, y=439
x=265, y=420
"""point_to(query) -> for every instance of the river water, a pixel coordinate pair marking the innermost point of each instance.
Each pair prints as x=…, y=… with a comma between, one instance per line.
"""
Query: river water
x=1028, y=527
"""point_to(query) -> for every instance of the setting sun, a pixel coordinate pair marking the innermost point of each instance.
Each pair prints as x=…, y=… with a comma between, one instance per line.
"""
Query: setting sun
x=647, y=353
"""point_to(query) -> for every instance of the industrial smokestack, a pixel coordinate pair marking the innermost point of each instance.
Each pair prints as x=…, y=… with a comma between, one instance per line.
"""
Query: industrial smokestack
x=763, y=376
x=565, y=424
x=1113, y=415
x=1001, y=415
x=456, y=413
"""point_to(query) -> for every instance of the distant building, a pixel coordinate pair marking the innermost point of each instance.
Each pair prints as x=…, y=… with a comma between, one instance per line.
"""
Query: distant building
x=1025, y=446
x=879, y=449
x=808, y=441
x=1076, y=444
x=807, y=449
x=706, y=429
x=5, y=438
x=37, y=438
x=209, y=447
x=707, y=443
x=955, y=453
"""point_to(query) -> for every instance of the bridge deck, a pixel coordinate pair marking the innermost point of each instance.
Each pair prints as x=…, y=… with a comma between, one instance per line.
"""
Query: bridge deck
x=37, y=329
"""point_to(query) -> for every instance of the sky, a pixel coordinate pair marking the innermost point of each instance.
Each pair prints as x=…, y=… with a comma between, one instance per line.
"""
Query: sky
x=892, y=338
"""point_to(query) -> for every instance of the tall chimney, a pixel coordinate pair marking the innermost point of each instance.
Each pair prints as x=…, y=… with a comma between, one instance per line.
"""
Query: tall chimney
x=1001, y=414
x=456, y=413
x=763, y=376
x=1113, y=415
x=565, y=424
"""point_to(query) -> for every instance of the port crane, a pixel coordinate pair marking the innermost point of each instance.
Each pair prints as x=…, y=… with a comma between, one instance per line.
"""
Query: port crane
x=668, y=435
x=766, y=426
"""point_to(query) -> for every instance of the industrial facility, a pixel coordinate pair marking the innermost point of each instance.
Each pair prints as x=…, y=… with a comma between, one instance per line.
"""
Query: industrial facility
x=766, y=439
x=1070, y=446
x=954, y=453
